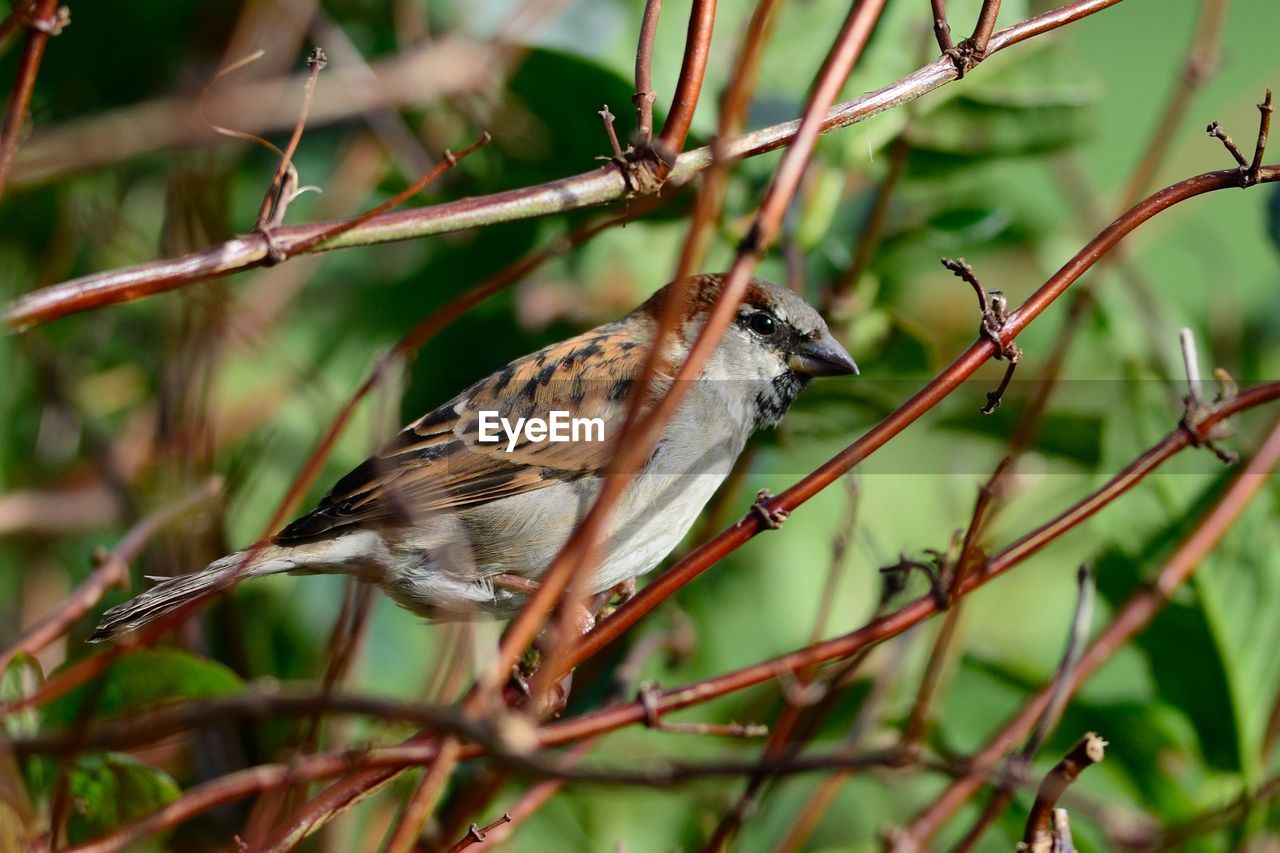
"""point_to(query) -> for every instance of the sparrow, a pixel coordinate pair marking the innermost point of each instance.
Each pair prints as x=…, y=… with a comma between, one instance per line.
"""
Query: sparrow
x=458, y=515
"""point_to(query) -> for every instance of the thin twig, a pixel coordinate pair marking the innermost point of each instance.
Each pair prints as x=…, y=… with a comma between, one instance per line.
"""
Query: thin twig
x=593, y=188
x=1201, y=62
x=1018, y=768
x=478, y=835
x=941, y=29
x=111, y=570
x=1041, y=833
x=644, y=96
x=275, y=203
x=579, y=551
x=697, y=48
x=42, y=20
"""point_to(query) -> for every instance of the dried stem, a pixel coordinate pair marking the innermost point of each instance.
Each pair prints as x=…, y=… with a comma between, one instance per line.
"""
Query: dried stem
x=1040, y=833
x=42, y=21
x=1019, y=766
x=697, y=47
x=478, y=835
x=644, y=96
x=593, y=188
x=968, y=559
x=279, y=193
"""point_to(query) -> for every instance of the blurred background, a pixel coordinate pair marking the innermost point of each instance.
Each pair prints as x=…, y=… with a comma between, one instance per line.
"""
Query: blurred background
x=108, y=415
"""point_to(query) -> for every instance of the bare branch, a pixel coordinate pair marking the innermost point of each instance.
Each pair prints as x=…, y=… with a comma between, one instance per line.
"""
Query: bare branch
x=644, y=96
x=44, y=20
x=697, y=48
x=592, y=188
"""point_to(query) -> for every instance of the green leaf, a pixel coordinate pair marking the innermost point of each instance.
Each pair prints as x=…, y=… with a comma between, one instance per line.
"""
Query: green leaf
x=1239, y=593
x=110, y=789
x=1273, y=215
x=20, y=679
x=142, y=679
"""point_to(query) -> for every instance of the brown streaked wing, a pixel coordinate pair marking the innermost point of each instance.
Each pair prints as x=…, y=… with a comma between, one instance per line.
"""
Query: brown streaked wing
x=438, y=463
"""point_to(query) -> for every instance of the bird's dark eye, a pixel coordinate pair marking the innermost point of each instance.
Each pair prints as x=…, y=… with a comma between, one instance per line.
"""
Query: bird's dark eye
x=762, y=323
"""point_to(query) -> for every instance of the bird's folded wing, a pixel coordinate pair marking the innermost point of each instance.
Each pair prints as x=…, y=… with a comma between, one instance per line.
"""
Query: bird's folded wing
x=439, y=462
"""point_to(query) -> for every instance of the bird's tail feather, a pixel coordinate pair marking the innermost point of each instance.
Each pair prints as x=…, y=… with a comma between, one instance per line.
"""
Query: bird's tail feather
x=171, y=593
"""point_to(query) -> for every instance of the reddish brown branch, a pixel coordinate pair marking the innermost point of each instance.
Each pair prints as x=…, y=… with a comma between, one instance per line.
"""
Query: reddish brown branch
x=478, y=835
x=876, y=631
x=697, y=47
x=404, y=349
x=983, y=29
x=644, y=96
x=941, y=28
x=1017, y=770
x=42, y=20
x=578, y=553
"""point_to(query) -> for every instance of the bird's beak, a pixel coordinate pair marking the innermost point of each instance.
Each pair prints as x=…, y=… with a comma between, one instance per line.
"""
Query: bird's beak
x=822, y=357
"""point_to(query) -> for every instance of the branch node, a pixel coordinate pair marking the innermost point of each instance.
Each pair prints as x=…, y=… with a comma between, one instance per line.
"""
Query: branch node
x=1196, y=410
x=771, y=517
x=643, y=102
x=53, y=25
x=647, y=695
x=994, y=307
x=1215, y=130
x=317, y=61
x=895, y=577
x=965, y=56
x=274, y=253
x=618, y=156
x=1250, y=170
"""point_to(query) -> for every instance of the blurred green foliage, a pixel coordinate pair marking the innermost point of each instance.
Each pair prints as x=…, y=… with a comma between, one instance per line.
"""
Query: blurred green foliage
x=112, y=413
